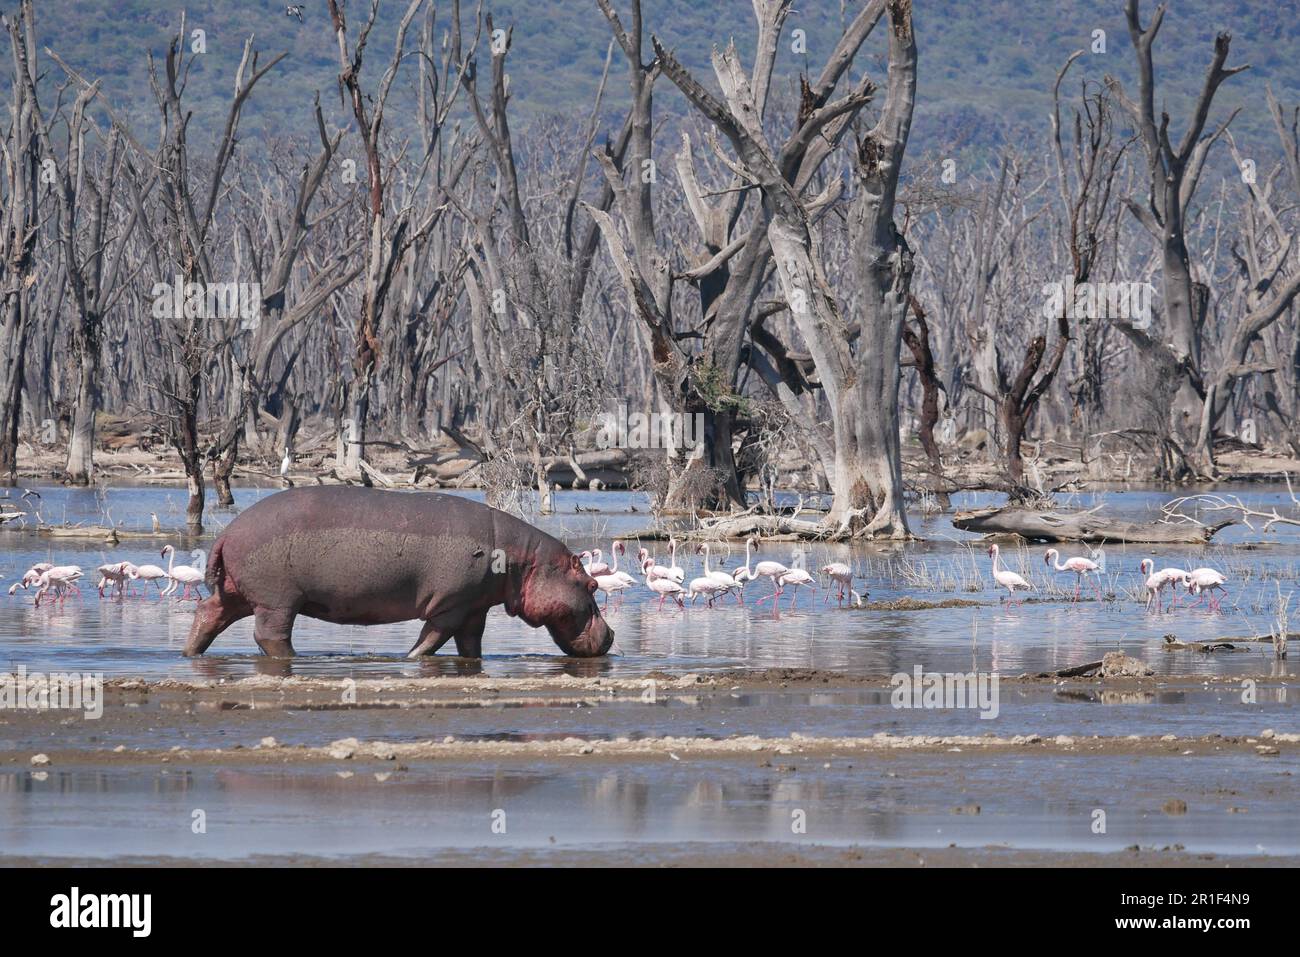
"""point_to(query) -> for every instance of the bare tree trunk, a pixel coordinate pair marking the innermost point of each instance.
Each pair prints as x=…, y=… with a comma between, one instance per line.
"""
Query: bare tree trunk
x=81, y=441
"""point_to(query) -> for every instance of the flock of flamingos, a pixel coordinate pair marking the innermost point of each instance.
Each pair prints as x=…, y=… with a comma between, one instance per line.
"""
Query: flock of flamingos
x=669, y=581
x=62, y=580
x=666, y=581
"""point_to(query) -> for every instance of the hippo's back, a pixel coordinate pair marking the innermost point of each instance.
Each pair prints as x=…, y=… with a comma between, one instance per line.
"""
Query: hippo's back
x=358, y=555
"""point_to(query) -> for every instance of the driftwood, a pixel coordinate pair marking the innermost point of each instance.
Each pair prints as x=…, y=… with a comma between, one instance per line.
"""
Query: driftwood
x=1079, y=527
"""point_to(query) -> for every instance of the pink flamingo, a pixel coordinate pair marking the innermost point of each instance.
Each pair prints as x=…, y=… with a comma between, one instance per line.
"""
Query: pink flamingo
x=31, y=577
x=663, y=587
x=61, y=578
x=1080, y=566
x=613, y=584
x=794, y=578
x=772, y=570
x=185, y=575
x=117, y=574
x=709, y=588
x=1209, y=580
x=655, y=570
x=1007, y=579
x=728, y=582
x=1173, y=577
x=151, y=572
x=675, y=571
x=1157, y=581
x=842, y=575
x=1154, y=583
x=745, y=574
x=618, y=549
x=597, y=565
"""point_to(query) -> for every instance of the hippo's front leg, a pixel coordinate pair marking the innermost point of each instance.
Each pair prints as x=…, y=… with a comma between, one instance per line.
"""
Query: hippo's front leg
x=273, y=631
x=469, y=636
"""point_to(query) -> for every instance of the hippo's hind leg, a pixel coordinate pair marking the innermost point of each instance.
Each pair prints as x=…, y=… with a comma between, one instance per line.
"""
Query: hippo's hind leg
x=212, y=616
x=469, y=636
x=273, y=631
x=433, y=635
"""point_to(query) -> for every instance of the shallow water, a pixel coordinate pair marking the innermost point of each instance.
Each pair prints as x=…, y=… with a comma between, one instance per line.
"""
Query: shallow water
x=143, y=636
x=907, y=802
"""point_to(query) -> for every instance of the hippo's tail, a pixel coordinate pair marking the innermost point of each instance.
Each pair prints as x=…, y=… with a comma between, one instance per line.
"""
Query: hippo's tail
x=216, y=567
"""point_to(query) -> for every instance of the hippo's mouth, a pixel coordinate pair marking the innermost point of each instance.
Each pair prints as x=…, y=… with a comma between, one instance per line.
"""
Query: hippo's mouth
x=593, y=641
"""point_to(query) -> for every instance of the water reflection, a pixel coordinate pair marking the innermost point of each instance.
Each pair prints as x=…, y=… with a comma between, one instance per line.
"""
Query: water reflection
x=361, y=811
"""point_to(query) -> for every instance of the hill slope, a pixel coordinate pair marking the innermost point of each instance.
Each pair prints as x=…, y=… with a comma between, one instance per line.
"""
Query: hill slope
x=986, y=68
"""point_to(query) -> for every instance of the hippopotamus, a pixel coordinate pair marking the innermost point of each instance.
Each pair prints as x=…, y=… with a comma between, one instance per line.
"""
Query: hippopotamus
x=362, y=556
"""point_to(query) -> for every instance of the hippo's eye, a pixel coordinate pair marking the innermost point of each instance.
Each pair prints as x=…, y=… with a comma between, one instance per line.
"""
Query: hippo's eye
x=591, y=587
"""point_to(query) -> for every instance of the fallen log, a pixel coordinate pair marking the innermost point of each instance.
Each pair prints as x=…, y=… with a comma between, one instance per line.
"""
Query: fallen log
x=1080, y=527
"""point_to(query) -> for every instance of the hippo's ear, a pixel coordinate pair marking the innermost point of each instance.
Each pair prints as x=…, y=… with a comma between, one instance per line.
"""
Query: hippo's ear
x=575, y=563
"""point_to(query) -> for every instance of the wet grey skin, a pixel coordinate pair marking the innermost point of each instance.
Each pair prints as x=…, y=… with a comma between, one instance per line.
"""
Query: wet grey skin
x=360, y=556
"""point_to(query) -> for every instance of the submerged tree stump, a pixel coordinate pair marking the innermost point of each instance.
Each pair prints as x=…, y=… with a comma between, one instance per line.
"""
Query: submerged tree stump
x=1080, y=527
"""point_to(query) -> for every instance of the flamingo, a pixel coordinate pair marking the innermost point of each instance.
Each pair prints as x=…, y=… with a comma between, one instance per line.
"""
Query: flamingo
x=185, y=575
x=31, y=576
x=657, y=571
x=709, y=588
x=772, y=570
x=675, y=571
x=118, y=573
x=1154, y=583
x=618, y=548
x=728, y=582
x=60, y=578
x=150, y=573
x=613, y=584
x=1173, y=577
x=842, y=575
x=597, y=564
x=663, y=587
x=745, y=574
x=1007, y=579
x=1210, y=580
x=1080, y=566
x=794, y=578
x=1157, y=581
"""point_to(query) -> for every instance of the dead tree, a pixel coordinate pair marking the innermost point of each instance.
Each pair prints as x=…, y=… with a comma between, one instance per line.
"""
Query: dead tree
x=386, y=232
x=1269, y=250
x=19, y=225
x=858, y=368
x=186, y=233
x=1174, y=173
x=93, y=260
x=283, y=306
x=1085, y=181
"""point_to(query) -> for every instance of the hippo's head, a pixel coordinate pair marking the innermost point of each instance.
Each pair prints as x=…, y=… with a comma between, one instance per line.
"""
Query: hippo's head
x=561, y=596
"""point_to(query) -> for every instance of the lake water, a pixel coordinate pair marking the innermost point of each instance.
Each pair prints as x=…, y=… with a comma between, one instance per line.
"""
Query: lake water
x=144, y=636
